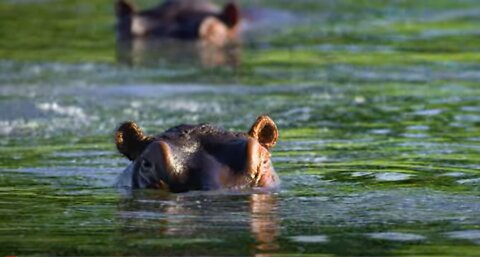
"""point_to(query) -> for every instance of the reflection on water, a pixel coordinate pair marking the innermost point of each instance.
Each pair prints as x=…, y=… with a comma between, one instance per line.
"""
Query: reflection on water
x=198, y=218
x=154, y=52
x=264, y=221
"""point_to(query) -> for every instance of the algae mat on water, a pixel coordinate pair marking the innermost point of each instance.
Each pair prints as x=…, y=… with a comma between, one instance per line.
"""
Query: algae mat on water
x=377, y=103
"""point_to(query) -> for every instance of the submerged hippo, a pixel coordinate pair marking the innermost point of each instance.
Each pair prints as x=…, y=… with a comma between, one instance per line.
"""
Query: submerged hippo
x=198, y=157
x=180, y=19
x=191, y=32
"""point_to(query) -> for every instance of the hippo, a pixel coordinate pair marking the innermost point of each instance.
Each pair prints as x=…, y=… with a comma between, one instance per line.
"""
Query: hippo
x=179, y=19
x=192, y=32
x=198, y=157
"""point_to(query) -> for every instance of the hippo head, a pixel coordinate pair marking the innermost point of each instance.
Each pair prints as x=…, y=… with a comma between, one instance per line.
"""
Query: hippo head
x=199, y=157
x=181, y=19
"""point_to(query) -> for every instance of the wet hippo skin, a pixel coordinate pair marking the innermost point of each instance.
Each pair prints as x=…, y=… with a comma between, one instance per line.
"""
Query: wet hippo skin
x=198, y=157
x=180, y=19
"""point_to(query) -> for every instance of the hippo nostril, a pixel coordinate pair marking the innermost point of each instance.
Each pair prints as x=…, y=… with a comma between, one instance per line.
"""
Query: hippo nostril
x=146, y=165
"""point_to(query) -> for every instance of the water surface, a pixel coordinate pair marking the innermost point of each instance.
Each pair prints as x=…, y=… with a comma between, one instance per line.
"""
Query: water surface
x=378, y=109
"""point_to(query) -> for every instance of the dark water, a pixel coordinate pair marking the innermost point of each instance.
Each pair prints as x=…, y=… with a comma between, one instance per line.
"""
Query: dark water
x=377, y=103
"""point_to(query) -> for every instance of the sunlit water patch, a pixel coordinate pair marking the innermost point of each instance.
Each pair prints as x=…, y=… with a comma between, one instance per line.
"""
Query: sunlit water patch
x=473, y=235
x=310, y=239
x=396, y=236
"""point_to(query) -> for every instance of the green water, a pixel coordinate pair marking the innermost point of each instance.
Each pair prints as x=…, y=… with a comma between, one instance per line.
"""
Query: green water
x=377, y=103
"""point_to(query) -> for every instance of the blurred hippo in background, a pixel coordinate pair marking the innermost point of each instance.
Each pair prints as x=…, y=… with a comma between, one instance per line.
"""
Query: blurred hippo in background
x=198, y=157
x=181, y=19
x=186, y=30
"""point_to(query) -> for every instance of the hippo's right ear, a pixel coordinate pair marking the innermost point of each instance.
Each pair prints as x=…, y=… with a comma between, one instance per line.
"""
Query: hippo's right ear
x=130, y=140
x=265, y=131
x=124, y=8
x=230, y=14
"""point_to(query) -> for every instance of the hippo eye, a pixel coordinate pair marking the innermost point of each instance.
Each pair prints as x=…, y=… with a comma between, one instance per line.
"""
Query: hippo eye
x=146, y=165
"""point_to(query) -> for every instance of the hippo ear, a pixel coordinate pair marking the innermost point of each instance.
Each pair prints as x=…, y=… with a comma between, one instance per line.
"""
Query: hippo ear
x=230, y=14
x=124, y=8
x=130, y=140
x=265, y=131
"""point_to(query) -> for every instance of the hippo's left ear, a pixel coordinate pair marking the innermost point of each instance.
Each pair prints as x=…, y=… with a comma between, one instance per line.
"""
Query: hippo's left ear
x=124, y=8
x=230, y=14
x=265, y=131
x=130, y=140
